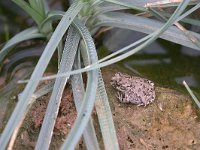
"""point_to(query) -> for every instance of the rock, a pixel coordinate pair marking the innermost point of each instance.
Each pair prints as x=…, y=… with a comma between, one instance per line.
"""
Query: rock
x=170, y=122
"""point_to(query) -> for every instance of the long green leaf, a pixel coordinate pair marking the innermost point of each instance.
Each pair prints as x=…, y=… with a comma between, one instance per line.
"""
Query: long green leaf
x=183, y=16
x=187, y=33
x=196, y=7
x=105, y=117
x=128, y=5
x=145, y=38
x=24, y=100
x=137, y=23
x=38, y=6
x=123, y=56
x=191, y=94
x=107, y=7
x=167, y=3
x=33, y=13
x=188, y=20
x=44, y=90
x=33, y=5
x=52, y=16
x=89, y=98
x=66, y=63
x=30, y=33
x=103, y=109
x=89, y=135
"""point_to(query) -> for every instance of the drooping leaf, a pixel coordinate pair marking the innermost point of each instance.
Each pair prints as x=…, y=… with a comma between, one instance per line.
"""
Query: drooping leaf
x=27, y=34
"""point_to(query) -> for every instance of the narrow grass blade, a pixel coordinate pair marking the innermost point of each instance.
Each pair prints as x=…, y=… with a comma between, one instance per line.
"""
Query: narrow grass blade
x=52, y=16
x=60, y=50
x=196, y=7
x=128, y=5
x=33, y=4
x=33, y=13
x=124, y=49
x=107, y=7
x=30, y=33
x=167, y=3
x=44, y=90
x=105, y=117
x=24, y=100
x=67, y=60
x=184, y=19
x=191, y=94
x=89, y=97
x=137, y=23
x=103, y=111
x=187, y=33
x=155, y=35
x=38, y=5
x=89, y=134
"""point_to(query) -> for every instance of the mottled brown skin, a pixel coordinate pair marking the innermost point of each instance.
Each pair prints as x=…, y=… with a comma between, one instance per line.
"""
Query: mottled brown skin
x=133, y=89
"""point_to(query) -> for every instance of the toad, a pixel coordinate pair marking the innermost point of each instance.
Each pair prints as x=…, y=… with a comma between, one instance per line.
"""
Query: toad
x=132, y=89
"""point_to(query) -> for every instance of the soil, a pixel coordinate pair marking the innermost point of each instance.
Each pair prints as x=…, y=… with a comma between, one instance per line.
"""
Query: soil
x=30, y=129
x=170, y=122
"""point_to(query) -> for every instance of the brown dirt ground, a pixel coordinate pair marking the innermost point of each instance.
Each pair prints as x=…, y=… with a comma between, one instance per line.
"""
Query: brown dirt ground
x=170, y=122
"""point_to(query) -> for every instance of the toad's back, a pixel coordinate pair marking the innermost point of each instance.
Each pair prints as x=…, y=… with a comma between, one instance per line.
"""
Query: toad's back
x=133, y=89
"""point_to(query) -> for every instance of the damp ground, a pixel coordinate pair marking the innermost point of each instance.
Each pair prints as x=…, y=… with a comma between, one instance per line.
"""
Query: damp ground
x=170, y=122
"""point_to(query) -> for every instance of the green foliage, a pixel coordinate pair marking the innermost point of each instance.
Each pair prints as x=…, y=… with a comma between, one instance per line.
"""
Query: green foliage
x=34, y=8
x=84, y=18
x=191, y=94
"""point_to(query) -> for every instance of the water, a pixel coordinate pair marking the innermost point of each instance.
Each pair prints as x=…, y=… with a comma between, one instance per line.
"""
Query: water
x=166, y=63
